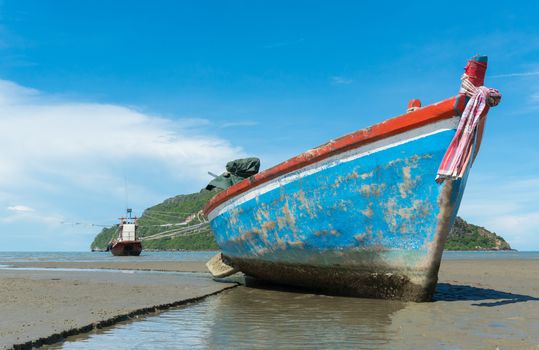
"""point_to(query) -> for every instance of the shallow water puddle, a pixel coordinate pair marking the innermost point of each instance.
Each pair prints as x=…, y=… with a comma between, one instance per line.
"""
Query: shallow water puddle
x=249, y=318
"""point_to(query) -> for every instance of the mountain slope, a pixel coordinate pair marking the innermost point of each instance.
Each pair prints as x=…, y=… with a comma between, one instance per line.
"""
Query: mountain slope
x=465, y=236
x=172, y=211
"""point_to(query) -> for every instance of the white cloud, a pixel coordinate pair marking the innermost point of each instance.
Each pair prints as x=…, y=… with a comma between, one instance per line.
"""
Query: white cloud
x=20, y=208
x=509, y=207
x=340, y=80
x=523, y=228
x=239, y=123
x=83, y=142
x=25, y=217
x=24, y=213
x=511, y=75
x=69, y=160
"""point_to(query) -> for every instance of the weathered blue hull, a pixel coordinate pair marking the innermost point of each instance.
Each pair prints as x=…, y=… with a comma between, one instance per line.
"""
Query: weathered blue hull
x=370, y=221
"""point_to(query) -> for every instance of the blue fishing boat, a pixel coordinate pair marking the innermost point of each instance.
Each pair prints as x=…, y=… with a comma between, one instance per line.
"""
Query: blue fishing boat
x=363, y=215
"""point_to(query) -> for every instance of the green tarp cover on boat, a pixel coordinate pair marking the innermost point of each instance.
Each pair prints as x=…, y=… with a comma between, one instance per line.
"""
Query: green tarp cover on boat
x=236, y=171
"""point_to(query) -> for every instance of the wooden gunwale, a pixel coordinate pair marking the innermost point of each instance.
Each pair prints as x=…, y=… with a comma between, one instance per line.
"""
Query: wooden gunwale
x=442, y=110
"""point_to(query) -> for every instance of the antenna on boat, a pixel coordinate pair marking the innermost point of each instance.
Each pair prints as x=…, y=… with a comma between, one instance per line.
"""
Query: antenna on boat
x=126, y=193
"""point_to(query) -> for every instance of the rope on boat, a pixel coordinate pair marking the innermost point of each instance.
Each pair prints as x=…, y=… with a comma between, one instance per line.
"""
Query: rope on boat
x=192, y=216
x=85, y=224
x=165, y=225
x=459, y=153
x=165, y=213
x=186, y=231
x=160, y=218
x=176, y=229
x=201, y=217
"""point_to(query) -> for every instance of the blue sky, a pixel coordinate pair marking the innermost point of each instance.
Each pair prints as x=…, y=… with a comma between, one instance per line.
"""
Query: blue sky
x=156, y=93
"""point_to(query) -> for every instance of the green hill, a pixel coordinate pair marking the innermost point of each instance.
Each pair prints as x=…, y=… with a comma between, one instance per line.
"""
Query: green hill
x=463, y=236
x=171, y=211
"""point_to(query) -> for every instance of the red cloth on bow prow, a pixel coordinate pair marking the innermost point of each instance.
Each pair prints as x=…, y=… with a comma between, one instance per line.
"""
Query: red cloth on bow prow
x=476, y=69
x=470, y=128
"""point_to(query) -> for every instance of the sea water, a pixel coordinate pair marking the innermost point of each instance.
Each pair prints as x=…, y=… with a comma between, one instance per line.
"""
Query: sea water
x=7, y=257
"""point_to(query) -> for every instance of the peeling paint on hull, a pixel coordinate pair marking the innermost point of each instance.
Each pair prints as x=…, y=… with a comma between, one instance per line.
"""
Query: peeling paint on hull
x=368, y=222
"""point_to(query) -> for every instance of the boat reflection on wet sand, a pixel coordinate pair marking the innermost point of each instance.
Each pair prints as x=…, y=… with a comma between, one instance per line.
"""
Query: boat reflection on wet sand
x=255, y=318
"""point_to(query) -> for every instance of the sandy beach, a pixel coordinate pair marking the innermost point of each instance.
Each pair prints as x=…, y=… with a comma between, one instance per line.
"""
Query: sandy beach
x=43, y=306
x=479, y=304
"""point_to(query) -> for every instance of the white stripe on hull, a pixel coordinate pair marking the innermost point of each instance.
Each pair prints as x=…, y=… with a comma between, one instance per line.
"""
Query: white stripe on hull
x=362, y=151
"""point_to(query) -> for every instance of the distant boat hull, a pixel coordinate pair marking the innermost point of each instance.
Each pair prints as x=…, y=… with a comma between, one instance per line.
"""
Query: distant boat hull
x=359, y=216
x=126, y=248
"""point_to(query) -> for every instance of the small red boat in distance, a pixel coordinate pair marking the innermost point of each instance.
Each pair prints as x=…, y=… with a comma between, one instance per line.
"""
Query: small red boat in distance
x=127, y=242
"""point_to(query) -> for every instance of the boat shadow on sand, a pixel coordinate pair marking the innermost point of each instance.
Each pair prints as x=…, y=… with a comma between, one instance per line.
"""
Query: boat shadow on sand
x=444, y=292
x=460, y=292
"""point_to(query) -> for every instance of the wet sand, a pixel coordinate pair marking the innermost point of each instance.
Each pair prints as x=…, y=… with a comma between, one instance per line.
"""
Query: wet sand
x=44, y=306
x=479, y=304
x=181, y=266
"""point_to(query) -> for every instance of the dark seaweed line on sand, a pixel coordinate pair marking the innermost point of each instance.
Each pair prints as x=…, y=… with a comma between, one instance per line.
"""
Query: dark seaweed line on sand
x=58, y=337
